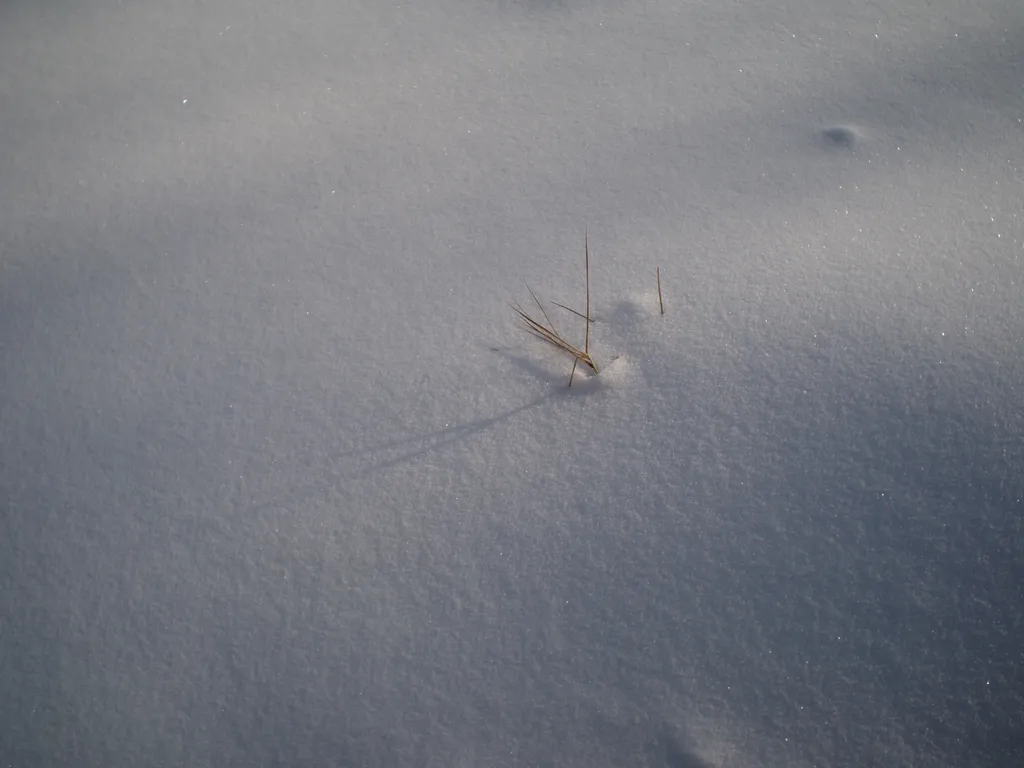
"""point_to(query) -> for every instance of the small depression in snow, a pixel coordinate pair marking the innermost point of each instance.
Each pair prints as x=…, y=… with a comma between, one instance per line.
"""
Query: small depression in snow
x=842, y=136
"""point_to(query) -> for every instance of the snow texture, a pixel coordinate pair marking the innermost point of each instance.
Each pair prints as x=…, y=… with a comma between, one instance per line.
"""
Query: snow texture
x=284, y=483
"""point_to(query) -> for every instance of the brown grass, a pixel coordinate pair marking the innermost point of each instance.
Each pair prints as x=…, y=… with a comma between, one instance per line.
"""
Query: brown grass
x=661, y=304
x=546, y=330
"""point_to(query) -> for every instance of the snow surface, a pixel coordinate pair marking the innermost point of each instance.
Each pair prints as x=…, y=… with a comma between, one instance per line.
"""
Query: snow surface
x=284, y=483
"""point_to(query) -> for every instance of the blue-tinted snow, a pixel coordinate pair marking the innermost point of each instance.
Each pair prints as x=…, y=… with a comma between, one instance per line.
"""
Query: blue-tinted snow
x=283, y=483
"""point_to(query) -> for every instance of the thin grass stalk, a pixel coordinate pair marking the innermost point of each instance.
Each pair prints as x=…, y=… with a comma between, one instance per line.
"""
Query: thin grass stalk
x=661, y=303
x=570, y=309
x=586, y=258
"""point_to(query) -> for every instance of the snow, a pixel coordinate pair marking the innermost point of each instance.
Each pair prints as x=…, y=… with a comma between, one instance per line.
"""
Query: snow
x=284, y=482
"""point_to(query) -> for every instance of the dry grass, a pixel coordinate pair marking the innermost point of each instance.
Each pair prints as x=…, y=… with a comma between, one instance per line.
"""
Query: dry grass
x=546, y=331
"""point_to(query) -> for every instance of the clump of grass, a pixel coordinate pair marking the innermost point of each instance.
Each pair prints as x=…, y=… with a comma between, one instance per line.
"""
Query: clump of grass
x=546, y=331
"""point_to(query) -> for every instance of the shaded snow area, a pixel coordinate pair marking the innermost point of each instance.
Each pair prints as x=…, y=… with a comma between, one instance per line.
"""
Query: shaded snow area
x=284, y=481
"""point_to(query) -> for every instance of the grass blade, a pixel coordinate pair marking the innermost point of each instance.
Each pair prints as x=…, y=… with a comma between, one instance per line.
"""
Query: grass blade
x=586, y=257
x=661, y=303
x=546, y=331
